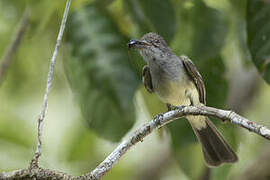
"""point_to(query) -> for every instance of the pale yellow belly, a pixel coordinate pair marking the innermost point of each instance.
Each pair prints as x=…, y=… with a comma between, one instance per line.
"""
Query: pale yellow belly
x=178, y=94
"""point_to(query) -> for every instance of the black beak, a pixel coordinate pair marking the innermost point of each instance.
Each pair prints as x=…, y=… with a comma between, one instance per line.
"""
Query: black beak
x=131, y=43
x=136, y=43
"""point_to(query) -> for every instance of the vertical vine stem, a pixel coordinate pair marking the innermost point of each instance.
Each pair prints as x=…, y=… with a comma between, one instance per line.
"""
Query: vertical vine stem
x=34, y=162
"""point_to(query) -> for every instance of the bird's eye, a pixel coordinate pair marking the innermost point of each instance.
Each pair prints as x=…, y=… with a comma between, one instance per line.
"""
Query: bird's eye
x=156, y=41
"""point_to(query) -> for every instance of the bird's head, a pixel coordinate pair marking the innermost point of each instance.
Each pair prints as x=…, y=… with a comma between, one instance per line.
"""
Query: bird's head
x=151, y=46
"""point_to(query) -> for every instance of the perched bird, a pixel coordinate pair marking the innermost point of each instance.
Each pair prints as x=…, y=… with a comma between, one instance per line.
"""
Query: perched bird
x=176, y=81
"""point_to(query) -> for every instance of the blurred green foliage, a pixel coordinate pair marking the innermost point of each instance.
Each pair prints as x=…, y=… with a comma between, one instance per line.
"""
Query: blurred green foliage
x=104, y=78
x=157, y=16
x=258, y=30
x=99, y=72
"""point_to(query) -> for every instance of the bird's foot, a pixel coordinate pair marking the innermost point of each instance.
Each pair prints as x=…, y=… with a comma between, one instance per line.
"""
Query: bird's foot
x=157, y=119
x=158, y=116
x=180, y=107
x=171, y=107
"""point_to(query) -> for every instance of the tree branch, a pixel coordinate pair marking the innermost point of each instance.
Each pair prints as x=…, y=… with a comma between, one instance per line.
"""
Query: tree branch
x=34, y=162
x=14, y=44
x=37, y=173
x=168, y=117
x=139, y=135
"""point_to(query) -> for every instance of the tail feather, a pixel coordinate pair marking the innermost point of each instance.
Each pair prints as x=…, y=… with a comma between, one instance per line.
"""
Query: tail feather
x=215, y=149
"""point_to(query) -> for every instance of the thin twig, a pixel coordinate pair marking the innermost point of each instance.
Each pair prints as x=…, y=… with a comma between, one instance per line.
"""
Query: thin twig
x=138, y=136
x=34, y=162
x=14, y=44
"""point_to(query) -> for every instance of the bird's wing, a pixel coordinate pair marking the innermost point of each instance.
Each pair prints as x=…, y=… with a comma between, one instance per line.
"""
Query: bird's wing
x=147, y=80
x=195, y=76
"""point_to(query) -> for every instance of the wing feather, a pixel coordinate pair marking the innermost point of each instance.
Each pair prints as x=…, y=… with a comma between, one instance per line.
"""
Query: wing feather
x=196, y=77
x=147, y=79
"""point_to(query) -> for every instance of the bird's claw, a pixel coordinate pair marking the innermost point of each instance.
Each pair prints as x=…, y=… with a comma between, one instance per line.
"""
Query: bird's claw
x=180, y=107
x=157, y=118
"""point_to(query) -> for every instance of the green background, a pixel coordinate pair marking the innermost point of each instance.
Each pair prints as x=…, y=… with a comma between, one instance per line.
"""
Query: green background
x=97, y=97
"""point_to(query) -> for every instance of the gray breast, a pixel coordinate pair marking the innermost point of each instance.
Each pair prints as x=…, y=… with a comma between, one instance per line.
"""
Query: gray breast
x=168, y=78
x=166, y=69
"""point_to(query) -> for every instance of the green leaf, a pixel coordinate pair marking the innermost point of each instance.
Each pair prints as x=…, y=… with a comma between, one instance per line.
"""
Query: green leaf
x=153, y=15
x=100, y=72
x=258, y=31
